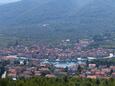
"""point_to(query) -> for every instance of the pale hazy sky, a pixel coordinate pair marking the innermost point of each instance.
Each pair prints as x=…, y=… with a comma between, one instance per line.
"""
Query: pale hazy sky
x=8, y=1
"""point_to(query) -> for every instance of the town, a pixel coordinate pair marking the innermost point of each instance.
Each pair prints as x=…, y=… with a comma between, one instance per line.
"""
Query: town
x=64, y=59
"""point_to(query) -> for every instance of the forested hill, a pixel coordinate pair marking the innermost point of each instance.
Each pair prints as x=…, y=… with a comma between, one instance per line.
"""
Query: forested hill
x=38, y=11
x=52, y=18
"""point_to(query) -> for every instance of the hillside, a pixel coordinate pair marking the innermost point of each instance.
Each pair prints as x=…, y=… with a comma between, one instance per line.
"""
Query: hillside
x=49, y=19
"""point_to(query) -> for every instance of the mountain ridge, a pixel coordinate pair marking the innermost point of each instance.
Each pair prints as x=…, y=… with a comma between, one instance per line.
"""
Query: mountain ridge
x=48, y=17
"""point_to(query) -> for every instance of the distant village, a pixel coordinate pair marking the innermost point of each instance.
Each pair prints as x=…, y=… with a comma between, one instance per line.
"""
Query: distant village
x=77, y=59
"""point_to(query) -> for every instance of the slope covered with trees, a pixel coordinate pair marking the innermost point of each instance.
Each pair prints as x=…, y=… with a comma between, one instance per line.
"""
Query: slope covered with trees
x=54, y=19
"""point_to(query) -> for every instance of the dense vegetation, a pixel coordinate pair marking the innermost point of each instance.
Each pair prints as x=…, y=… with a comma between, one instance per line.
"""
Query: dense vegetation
x=65, y=81
x=54, y=19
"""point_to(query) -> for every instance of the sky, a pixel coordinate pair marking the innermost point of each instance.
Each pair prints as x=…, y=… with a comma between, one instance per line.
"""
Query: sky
x=8, y=1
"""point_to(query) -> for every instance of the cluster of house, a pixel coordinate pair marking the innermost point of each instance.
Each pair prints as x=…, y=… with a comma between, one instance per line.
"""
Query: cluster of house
x=101, y=72
x=61, y=51
x=49, y=70
x=24, y=68
x=45, y=70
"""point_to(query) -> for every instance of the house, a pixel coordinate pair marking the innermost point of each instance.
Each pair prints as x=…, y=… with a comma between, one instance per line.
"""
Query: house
x=92, y=76
x=92, y=65
x=37, y=73
x=113, y=75
x=12, y=73
x=50, y=75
